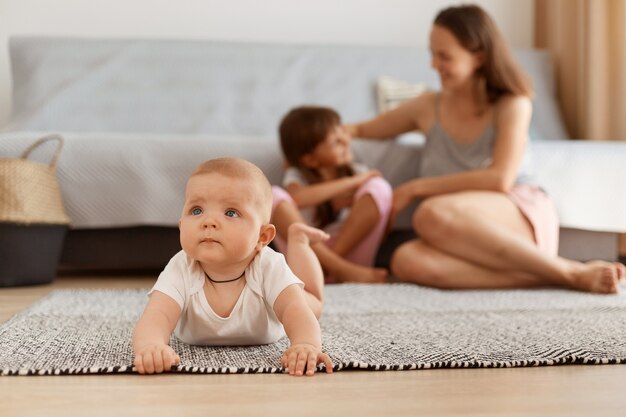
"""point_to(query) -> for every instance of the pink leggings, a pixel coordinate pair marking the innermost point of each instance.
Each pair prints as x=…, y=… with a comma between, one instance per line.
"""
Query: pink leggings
x=363, y=253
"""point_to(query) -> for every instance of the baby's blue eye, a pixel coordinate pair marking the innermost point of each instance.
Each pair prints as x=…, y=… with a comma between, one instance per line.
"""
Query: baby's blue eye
x=196, y=211
x=231, y=213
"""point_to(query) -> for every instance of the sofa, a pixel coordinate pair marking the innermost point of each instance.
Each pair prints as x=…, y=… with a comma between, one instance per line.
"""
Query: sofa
x=138, y=115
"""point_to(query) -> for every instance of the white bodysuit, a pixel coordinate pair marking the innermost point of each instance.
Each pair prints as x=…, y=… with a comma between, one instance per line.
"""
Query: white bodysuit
x=252, y=321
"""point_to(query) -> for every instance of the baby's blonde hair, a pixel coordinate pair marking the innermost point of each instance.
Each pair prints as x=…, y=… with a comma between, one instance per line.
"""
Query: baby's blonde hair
x=242, y=169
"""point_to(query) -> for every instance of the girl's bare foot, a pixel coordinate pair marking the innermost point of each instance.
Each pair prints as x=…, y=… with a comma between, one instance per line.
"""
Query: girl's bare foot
x=598, y=277
x=303, y=233
x=351, y=272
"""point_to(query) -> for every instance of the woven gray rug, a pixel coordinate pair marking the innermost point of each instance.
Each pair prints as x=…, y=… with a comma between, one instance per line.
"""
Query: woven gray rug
x=371, y=327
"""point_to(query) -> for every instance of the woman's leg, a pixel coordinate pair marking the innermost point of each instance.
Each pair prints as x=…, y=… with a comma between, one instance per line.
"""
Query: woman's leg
x=417, y=262
x=362, y=232
x=285, y=213
x=487, y=229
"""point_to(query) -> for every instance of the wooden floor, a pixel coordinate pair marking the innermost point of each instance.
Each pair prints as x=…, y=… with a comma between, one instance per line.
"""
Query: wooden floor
x=592, y=390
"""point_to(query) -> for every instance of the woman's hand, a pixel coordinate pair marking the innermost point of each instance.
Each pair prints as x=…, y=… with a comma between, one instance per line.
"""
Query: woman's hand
x=403, y=195
x=303, y=357
x=155, y=358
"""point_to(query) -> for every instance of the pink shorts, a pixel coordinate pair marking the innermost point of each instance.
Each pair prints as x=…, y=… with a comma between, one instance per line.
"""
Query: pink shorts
x=365, y=252
x=541, y=213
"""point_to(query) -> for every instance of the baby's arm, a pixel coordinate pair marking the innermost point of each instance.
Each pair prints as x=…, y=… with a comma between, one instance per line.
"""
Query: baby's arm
x=313, y=195
x=303, y=331
x=152, y=335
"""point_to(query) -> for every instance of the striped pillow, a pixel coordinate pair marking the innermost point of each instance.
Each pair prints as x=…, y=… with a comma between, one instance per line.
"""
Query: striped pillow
x=392, y=92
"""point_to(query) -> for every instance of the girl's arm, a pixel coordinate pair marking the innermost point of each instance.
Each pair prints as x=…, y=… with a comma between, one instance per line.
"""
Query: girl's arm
x=152, y=335
x=512, y=124
x=390, y=124
x=313, y=195
x=303, y=331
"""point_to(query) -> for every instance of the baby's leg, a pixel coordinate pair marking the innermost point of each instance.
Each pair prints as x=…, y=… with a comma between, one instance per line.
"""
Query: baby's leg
x=304, y=263
x=284, y=213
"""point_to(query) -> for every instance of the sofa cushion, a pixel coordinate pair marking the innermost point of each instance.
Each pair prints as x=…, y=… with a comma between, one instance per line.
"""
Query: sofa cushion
x=205, y=87
x=392, y=92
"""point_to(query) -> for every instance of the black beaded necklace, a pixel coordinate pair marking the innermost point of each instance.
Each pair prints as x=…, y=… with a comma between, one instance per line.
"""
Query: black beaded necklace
x=223, y=282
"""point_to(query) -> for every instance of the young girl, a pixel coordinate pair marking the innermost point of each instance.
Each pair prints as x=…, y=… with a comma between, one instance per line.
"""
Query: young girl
x=325, y=188
x=483, y=223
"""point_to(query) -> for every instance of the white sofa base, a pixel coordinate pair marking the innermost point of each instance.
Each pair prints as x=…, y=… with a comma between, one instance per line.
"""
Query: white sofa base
x=585, y=245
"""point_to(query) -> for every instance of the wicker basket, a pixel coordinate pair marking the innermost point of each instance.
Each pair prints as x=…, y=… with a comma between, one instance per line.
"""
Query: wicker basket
x=32, y=219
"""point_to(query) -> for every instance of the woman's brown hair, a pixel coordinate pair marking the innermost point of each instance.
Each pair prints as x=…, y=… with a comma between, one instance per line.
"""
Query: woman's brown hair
x=477, y=32
x=301, y=131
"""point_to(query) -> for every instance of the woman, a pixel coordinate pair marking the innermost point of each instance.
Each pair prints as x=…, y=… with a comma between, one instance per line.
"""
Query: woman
x=483, y=223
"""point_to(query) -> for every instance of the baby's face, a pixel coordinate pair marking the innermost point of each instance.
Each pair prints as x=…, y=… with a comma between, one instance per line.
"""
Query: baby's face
x=221, y=220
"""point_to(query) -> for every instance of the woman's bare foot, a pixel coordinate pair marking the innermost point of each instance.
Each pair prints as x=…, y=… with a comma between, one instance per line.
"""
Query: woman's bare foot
x=598, y=277
x=621, y=270
x=351, y=272
x=306, y=234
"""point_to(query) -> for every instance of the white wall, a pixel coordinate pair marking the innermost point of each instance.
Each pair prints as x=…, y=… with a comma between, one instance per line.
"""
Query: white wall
x=396, y=22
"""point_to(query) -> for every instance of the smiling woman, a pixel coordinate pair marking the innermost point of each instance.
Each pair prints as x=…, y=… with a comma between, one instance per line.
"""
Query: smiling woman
x=483, y=221
x=466, y=44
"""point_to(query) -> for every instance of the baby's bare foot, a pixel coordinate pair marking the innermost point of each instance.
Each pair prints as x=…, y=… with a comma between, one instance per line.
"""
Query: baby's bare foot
x=306, y=234
x=598, y=277
x=362, y=274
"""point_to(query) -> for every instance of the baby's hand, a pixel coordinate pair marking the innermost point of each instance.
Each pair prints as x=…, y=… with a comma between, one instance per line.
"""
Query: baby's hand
x=301, y=357
x=155, y=358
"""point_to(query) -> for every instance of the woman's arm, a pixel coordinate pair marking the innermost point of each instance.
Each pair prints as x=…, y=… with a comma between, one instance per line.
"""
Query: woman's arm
x=512, y=124
x=388, y=125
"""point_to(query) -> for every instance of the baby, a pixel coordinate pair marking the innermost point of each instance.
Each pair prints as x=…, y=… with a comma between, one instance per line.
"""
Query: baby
x=226, y=287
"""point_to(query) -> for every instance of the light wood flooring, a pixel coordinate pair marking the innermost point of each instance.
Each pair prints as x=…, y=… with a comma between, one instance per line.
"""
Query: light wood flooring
x=594, y=390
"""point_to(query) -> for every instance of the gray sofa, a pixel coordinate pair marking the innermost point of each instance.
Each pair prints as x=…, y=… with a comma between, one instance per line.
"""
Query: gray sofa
x=138, y=115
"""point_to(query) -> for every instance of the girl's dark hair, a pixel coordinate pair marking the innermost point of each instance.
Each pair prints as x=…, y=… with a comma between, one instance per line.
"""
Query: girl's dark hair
x=477, y=32
x=301, y=131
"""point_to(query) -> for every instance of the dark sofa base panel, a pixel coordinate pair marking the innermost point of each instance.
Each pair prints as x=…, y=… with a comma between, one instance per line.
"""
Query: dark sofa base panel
x=142, y=247
x=150, y=248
